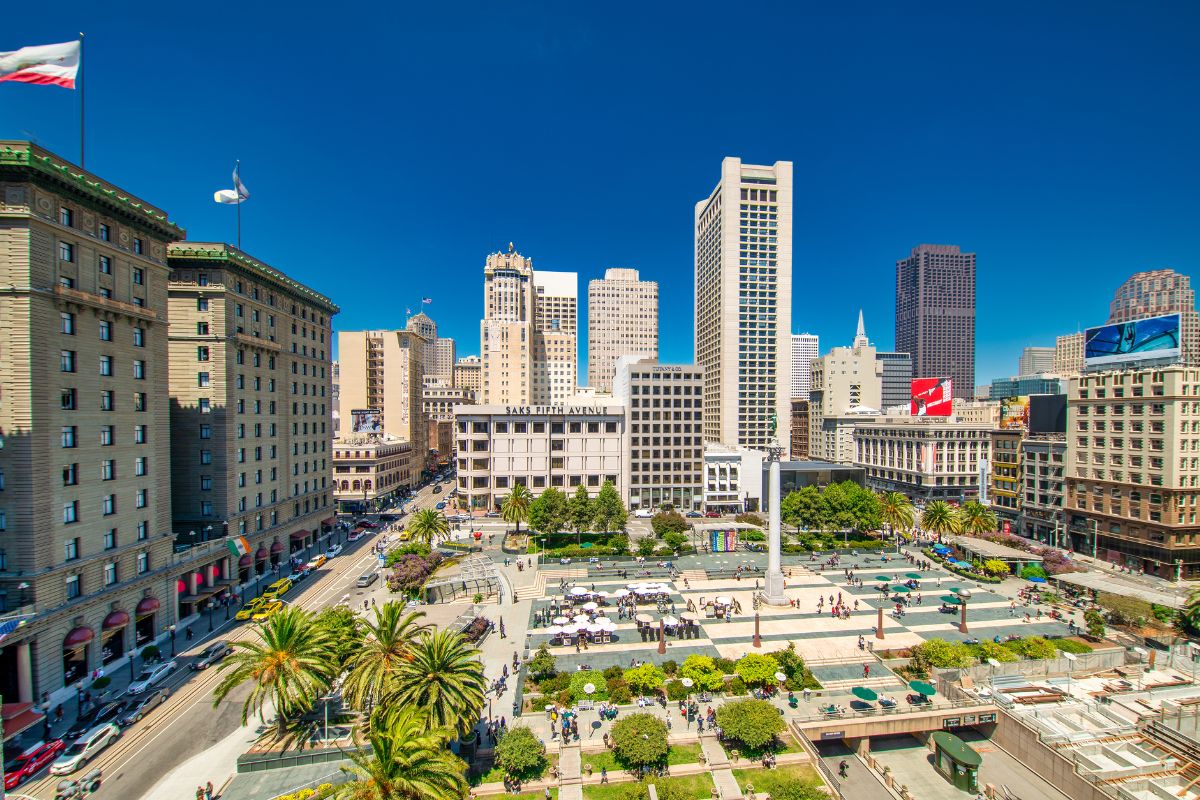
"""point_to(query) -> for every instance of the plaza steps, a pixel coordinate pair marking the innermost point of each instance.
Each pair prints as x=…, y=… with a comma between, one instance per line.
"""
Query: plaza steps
x=692, y=575
x=884, y=681
x=546, y=577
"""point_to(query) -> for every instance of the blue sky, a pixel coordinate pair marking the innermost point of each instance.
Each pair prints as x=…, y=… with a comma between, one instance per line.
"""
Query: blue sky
x=389, y=150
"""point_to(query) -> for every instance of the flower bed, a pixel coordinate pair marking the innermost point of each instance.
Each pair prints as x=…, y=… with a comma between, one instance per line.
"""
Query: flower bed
x=965, y=573
x=410, y=572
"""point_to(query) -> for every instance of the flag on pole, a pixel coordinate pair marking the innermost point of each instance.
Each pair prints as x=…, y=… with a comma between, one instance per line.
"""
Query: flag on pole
x=426, y=299
x=45, y=64
x=235, y=196
x=238, y=546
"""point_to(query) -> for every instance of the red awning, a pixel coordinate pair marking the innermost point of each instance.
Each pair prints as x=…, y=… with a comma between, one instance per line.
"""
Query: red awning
x=246, y=560
x=276, y=547
x=299, y=534
x=117, y=619
x=261, y=554
x=147, y=606
x=329, y=521
x=79, y=637
x=18, y=718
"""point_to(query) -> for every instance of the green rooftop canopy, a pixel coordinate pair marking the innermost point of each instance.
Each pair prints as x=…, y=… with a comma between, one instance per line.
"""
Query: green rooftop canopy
x=957, y=749
x=884, y=578
x=863, y=693
x=951, y=599
x=901, y=589
x=923, y=688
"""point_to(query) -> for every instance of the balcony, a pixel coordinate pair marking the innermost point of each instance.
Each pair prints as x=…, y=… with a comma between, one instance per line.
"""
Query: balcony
x=90, y=300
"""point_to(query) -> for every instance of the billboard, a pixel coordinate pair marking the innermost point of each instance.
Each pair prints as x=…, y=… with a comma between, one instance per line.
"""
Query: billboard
x=1047, y=413
x=931, y=397
x=1140, y=340
x=366, y=420
x=1014, y=413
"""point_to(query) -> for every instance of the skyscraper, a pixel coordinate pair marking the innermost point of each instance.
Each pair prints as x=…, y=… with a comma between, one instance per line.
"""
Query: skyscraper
x=743, y=316
x=382, y=372
x=935, y=313
x=1160, y=291
x=847, y=386
x=897, y=379
x=506, y=332
x=622, y=321
x=439, y=351
x=805, y=347
x=556, y=332
x=1035, y=360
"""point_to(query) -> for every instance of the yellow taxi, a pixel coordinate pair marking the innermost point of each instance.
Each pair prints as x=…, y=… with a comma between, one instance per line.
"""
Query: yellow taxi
x=277, y=589
x=267, y=610
x=405, y=536
x=318, y=561
x=247, y=610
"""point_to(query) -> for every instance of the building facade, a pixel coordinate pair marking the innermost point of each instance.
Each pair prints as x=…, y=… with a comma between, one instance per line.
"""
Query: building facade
x=743, y=313
x=896, y=381
x=800, y=427
x=935, y=313
x=579, y=443
x=507, y=332
x=847, y=383
x=1005, y=475
x=622, y=321
x=382, y=372
x=439, y=351
x=1022, y=385
x=438, y=402
x=1068, y=354
x=86, y=548
x=1156, y=292
x=923, y=458
x=805, y=347
x=665, y=461
x=251, y=405
x=1133, y=473
x=556, y=332
x=1043, y=462
x=468, y=375
x=1036, y=360
x=371, y=470
x=732, y=478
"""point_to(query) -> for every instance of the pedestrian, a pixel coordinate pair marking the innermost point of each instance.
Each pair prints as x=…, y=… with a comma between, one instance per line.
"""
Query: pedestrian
x=199, y=793
x=208, y=791
x=603, y=775
x=866, y=670
x=843, y=768
x=188, y=633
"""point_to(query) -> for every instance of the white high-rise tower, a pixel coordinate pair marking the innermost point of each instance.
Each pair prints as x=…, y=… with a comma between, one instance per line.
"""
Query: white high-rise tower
x=805, y=347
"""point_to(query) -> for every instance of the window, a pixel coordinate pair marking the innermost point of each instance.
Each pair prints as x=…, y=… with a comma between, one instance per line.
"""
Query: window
x=68, y=436
x=202, y=329
x=65, y=282
x=108, y=469
x=110, y=539
x=70, y=475
x=105, y=265
x=105, y=233
x=68, y=323
x=202, y=304
x=71, y=514
x=105, y=331
x=143, y=530
x=139, y=370
x=110, y=505
x=139, y=337
x=68, y=399
x=65, y=216
x=106, y=366
x=137, y=246
x=139, y=434
x=202, y=354
x=139, y=466
x=66, y=251
x=110, y=573
x=206, y=456
x=139, y=401
x=139, y=276
x=106, y=400
x=143, y=563
x=106, y=436
x=206, y=431
x=203, y=380
x=206, y=483
x=74, y=587
x=105, y=292
x=205, y=405
x=206, y=508
x=67, y=361
x=140, y=498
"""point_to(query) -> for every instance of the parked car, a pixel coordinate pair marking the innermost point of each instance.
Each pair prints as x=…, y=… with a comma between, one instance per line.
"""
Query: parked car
x=278, y=589
x=148, y=701
x=247, y=611
x=31, y=761
x=367, y=524
x=356, y=534
x=366, y=579
x=85, y=748
x=693, y=515
x=299, y=574
x=211, y=655
x=712, y=514
x=318, y=561
x=492, y=514
x=267, y=610
x=333, y=551
x=99, y=714
x=151, y=675
x=440, y=505
x=644, y=513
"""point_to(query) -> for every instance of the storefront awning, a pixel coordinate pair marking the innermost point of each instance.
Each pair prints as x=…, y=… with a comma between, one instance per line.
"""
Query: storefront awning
x=115, y=620
x=146, y=607
x=79, y=637
x=299, y=534
x=276, y=547
x=246, y=560
x=18, y=718
x=261, y=554
x=329, y=521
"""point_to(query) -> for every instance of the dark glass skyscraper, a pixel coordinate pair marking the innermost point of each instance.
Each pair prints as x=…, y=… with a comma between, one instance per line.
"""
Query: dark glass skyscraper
x=935, y=314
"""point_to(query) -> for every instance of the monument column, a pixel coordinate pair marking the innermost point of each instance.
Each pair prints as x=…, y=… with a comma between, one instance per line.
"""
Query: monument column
x=773, y=593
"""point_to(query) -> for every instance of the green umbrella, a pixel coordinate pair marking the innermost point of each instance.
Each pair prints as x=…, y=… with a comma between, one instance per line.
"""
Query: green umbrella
x=863, y=693
x=923, y=688
x=884, y=578
x=916, y=576
x=951, y=599
x=901, y=589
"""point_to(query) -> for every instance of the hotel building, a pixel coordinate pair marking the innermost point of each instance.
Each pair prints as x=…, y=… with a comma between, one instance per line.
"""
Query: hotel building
x=369, y=470
x=846, y=384
x=382, y=372
x=468, y=375
x=926, y=459
x=622, y=321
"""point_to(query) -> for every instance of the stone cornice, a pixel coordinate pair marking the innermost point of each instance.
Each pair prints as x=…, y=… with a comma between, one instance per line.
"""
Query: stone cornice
x=224, y=253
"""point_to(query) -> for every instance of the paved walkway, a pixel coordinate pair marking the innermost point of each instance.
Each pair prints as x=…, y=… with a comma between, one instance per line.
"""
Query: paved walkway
x=714, y=754
x=727, y=785
x=860, y=783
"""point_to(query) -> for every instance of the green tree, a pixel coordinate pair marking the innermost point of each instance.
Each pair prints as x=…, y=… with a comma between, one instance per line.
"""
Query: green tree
x=345, y=632
x=756, y=669
x=975, y=518
x=645, y=678
x=646, y=545
x=579, y=510
x=515, y=508
x=986, y=650
x=942, y=654
x=995, y=567
x=675, y=541
x=543, y=664
x=408, y=760
x=1189, y=617
x=790, y=662
x=443, y=674
x=703, y=671
x=803, y=509
x=581, y=678
x=1095, y=623
x=428, y=527
x=754, y=723
x=665, y=522
x=548, y=512
x=896, y=511
x=521, y=754
x=609, y=511
x=939, y=518
x=380, y=654
x=639, y=740
x=288, y=663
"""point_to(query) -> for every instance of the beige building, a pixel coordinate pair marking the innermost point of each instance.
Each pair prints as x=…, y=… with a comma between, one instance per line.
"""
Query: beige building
x=977, y=412
x=577, y=443
x=468, y=375
x=251, y=405
x=507, y=331
x=381, y=374
x=370, y=469
x=1152, y=293
x=1133, y=469
x=556, y=332
x=1068, y=354
x=439, y=402
x=86, y=550
x=665, y=462
x=743, y=315
x=622, y=321
x=925, y=458
x=439, y=351
x=847, y=383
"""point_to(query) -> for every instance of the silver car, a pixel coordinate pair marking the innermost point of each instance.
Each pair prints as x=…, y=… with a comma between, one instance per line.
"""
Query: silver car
x=150, y=700
x=151, y=675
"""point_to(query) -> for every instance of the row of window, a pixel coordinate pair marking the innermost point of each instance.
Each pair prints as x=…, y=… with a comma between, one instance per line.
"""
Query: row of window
x=69, y=435
x=108, y=506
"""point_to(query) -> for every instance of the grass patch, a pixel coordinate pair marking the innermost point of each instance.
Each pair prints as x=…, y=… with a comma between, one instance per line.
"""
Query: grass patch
x=495, y=774
x=784, y=743
x=699, y=786
x=772, y=780
x=1071, y=645
x=607, y=759
x=533, y=795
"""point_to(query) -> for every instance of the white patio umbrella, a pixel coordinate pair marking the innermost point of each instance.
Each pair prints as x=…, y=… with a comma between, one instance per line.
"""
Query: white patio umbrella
x=560, y=620
x=621, y=593
x=603, y=621
x=554, y=630
x=688, y=683
x=579, y=591
x=581, y=618
x=595, y=628
x=671, y=621
x=724, y=601
x=590, y=606
x=780, y=677
x=644, y=618
x=600, y=593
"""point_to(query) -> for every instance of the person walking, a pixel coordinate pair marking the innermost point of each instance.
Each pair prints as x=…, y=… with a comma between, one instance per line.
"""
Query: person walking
x=208, y=791
x=843, y=769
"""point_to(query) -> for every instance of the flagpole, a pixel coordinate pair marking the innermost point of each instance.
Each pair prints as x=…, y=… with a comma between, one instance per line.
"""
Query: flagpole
x=238, y=192
x=79, y=78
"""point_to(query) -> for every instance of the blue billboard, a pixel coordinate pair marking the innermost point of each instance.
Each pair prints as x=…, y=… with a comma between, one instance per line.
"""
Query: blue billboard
x=1140, y=340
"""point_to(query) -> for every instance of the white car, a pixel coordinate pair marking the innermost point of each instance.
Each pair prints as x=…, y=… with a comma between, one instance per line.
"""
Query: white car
x=643, y=513
x=85, y=748
x=334, y=549
x=150, y=676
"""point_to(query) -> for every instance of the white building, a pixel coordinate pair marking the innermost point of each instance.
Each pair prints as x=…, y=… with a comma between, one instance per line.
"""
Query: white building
x=556, y=332
x=805, y=347
x=846, y=385
x=622, y=321
x=732, y=478
x=925, y=458
x=743, y=313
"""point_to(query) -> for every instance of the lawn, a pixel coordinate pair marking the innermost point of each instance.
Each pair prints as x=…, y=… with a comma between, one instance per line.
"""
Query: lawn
x=770, y=780
x=677, y=754
x=496, y=774
x=533, y=795
x=784, y=743
x=697, y=786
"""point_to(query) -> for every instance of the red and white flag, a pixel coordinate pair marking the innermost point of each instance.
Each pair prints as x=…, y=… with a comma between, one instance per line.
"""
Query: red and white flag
x=47, y=64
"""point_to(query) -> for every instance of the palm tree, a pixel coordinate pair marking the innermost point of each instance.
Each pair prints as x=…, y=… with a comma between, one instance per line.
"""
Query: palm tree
x=443, y=674
x=897, y=511
x=516, y=506
x=289, y=664
x=1187, y=621
x=408, y=760
x=428, y=526
x=385, y=647
x=974, y=518
x=939, y=518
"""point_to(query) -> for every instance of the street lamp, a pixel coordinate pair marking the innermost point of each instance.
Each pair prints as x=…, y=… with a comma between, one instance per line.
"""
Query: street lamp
x=172, y=632
x=211, y=604
x=992, y=678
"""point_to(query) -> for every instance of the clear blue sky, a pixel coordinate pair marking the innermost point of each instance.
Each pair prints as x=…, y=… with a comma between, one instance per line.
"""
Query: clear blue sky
x=389, y=150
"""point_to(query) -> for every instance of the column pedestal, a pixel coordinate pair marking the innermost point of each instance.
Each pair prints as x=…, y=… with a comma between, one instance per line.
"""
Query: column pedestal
x=773, y=593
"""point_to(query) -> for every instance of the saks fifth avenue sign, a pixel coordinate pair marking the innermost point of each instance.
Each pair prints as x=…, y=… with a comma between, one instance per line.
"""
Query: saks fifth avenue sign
x=553, y=410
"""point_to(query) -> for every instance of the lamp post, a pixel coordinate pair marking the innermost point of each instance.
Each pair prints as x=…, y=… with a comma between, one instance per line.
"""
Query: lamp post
x=1071, y=658
x=211, y=604
x=963, y=596
x=207, y=532
x=227, y=599
x=172, y=632
x=1095, y=537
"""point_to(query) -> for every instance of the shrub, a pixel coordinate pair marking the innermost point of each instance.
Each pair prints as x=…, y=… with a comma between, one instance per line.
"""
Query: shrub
x=756, y=669
x=676, y=691
x=726, y=665
x=995, y=567
x=753, y=536
x=1033, y=647
x=584, y=677
x=985, y=650
x=737, y=686
x=645, y=546
x=1032, y=571
x=613, y=672
x=1125, y=610
x=621, y=695
x=669, y=667
x=675, y=541
x=521, y=754
x=410, y=572
x=644, y=679
x=1072, y=646
x=750, y=519
x=619, y=544
x=703, y=671
x=941, y=653
x=543, y=664
x=555, y=683
x=754, y=723
x=639, y=740
x=1095, y=623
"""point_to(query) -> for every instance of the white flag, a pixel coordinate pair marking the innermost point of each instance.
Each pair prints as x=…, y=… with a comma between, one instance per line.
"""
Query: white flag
x=47, y=64
x=235, y=196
